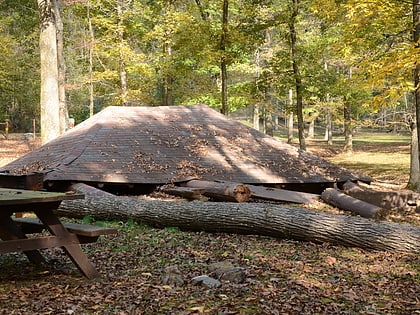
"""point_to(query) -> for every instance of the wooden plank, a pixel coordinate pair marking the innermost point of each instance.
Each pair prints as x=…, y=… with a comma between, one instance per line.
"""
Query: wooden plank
x=79, y=229
x=9, y=231
x=276, y=194
x=22, y=197
x=30, y=244
x=73, y=250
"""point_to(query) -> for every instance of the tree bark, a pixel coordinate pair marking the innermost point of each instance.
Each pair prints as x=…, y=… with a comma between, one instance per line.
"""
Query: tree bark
x=348, y=129
x=416, y=79
x=348, y=203
x=64, y=115
x=414, y=180
x=256, y=117
x=384, y=199
x=328, y=128
x=246, y=218
x=296, y=73
x=223, y=61
x=122, y=71
x=91, y=50
x=50, y=105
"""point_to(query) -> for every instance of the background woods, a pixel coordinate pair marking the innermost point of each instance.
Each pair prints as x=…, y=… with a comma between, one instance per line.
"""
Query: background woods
x=341, y=64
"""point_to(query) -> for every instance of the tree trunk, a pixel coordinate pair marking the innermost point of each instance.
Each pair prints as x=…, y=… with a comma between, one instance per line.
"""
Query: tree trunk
x=348, y=132
x=64, y=115
x=91, y=50
x=268, y=123
x=328, y=129
x=50, y=105
x=296, y=73
x=167, y=78
x=290, y=128
x=416, y=79
x=246, y=218
x=222, y=190
x=290, y=118
x=311, y=130
x=344, y=202
x=123, y=72
x=256, y=117
x=223, y=62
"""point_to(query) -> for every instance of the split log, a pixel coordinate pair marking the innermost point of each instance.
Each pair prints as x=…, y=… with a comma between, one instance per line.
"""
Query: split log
x=348, y=203
x=284, y=195
x=223, y=191
x=185, y=192
x=388, y=200
x=247, y=218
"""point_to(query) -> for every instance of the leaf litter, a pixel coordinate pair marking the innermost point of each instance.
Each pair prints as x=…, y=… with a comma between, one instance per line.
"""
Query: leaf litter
x=282, y=277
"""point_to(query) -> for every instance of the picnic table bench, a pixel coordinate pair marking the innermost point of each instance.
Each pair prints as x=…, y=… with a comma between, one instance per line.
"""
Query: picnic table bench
x=69, y=236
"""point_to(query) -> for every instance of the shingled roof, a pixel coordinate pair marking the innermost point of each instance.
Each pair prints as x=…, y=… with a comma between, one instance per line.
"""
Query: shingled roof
x=159, y=145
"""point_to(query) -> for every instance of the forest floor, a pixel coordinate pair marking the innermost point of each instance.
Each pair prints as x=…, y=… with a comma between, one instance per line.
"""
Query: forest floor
x=282, y=276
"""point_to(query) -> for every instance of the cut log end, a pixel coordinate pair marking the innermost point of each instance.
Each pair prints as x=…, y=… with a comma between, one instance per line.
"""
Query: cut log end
x=242, y=193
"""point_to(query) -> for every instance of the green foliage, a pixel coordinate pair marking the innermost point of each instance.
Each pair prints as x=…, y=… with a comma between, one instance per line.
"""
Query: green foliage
x=349, y=50
x=19, y=64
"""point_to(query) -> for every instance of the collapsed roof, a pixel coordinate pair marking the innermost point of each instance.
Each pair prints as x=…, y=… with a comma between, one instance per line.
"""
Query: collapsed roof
x=159, y=145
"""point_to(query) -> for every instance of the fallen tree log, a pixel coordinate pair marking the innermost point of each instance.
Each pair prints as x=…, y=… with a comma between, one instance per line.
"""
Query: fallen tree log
x=402, y=199
x=344, y=202
x=246, y=218
x=223, y=191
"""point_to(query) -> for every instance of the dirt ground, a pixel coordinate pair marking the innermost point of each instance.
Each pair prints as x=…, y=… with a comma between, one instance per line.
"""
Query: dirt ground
x=16, y=146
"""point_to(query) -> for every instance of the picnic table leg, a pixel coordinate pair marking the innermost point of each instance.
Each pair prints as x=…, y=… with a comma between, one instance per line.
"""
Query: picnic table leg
x=11, y=231
x=74, y=251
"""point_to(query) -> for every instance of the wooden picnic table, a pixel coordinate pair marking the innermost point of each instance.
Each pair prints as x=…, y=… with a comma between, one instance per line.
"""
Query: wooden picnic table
x=43, y=204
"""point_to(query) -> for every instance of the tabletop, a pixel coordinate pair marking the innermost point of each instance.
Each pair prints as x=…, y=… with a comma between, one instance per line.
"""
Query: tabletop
x=18, y=197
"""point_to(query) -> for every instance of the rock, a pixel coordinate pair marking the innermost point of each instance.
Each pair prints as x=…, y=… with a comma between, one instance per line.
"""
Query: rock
x=207, y=281
x=172, y=276
x=220, y=266
x=226, y=271
x=234, y=275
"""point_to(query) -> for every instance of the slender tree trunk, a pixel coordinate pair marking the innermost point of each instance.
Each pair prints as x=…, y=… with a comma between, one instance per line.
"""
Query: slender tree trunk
x=348, y=132
x=328, y=129
x=268, y=122
x=290, y=118
x=167, y=79
x=256, y=117
x=414, y=180
x=297, y=75
x=223, y=62
x=416, y=79
x=91, y=49
x=203, y=14
x=50, y=104
x=64, y=115
x=311, y=130
x=123, y=72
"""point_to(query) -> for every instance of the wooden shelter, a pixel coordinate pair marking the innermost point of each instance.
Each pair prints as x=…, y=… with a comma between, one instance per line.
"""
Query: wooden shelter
x=132, y=147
